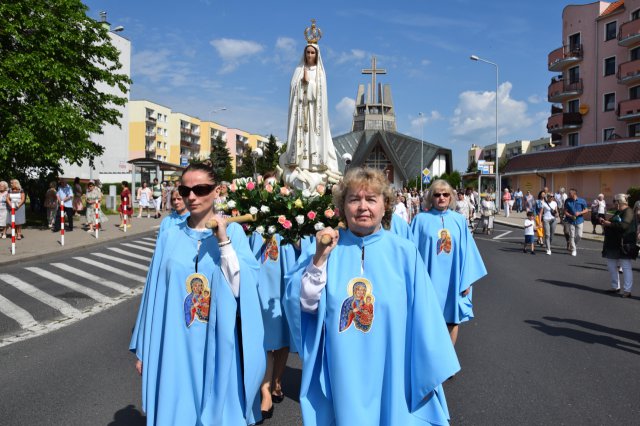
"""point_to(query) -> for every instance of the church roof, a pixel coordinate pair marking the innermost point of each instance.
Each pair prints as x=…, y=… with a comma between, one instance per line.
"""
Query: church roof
x=597, y=156
x=403, y=151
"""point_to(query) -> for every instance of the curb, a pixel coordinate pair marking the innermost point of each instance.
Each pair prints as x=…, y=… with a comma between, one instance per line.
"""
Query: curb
x=585, y=236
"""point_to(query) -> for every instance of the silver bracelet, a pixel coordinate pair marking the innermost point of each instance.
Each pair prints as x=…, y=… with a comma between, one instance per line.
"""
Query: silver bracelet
x=225, y=243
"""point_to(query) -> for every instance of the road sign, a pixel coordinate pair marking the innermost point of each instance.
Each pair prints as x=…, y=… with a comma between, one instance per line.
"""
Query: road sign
x=426, y=176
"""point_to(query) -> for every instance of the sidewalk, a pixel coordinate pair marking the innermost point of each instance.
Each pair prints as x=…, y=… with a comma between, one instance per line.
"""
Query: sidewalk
x=39, y=242
x=516, y=220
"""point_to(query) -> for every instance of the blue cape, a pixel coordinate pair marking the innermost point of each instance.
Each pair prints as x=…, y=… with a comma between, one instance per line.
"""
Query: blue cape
x=452, y=272
x=400, y=227
x=194, y=374
x=275, y=261
x=173, y=219
x=389, y=368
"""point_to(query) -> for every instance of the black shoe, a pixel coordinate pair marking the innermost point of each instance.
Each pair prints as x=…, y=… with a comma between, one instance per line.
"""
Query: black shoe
x=612, y=290
x=267, y=414
x=533, y=252
x=277, y=398
x=524, y=250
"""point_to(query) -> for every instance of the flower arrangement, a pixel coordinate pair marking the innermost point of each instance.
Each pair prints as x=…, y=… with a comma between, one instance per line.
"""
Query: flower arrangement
x=292, y=213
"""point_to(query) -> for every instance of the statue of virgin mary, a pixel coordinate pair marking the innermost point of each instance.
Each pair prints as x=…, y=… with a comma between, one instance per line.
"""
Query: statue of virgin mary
x=310, y=158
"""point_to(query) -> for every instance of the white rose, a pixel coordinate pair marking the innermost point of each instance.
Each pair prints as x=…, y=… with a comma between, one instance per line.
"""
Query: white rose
x=306, y=193
x=264, y=209
x=318, y=226
x=271, y=230
x=253, y=210
x=260, y=229
x=300, y=219
x=231, y=204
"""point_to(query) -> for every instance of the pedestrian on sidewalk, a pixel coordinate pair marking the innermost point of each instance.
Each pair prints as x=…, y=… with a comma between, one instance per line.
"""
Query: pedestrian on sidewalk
x=487, y=213
x=574, y=210
x=560, y=197
x=126, y=204
x=156, y=191
x=529, y=202
x=4, y=209
x=77, y=197
x=144, y=197
x=94, y=194
x=506, y=202
x=598, y=210
x=65, y=198
x=529, y=240
x=620, y=244
x=51, y=204
x=519, y=200
x=548, y=215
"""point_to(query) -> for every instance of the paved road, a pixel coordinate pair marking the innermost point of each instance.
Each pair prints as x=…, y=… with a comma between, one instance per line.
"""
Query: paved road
x=547, y=346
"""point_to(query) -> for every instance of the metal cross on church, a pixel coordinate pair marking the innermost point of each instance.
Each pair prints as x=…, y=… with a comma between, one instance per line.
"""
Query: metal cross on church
x=373, y=71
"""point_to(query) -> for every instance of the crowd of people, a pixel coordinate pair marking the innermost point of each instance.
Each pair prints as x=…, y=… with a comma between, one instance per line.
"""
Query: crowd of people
x=379, y=298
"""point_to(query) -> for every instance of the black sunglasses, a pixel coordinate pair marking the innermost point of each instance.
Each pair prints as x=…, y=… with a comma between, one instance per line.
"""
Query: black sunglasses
x=441, y=194
x=199, y=190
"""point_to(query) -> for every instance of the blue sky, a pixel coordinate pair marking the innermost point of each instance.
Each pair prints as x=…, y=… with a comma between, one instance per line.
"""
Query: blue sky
x=195, y=56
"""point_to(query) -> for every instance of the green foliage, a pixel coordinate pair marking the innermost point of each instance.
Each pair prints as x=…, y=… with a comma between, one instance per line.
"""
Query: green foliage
x=473, y=167
x=245, y=169
x=221, y=160
x=53, y=58
x=634, y=195
x=269, y=159
x=454, y=178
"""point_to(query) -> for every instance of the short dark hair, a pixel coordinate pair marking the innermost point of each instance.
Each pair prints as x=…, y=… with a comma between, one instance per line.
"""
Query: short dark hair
x=530, y=214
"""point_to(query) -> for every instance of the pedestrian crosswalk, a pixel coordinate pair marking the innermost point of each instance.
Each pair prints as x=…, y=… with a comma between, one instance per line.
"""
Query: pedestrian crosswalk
x=72, y=289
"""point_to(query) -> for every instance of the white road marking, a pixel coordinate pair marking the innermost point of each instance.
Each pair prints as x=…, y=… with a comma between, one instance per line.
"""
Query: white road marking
x=113, y=270
x=124, y=262
x=16, y=313
x=60, y=280
x=60, y=305
x=149, y=239
x=503, y=236
x=138, y=247
x=126, y=253
x=146, y=243
x=95, y=278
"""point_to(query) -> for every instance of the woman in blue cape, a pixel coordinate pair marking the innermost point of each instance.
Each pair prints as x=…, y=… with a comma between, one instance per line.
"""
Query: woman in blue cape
x=198, y=336
x=369, y=330
x=179, y=211
x=450, y=254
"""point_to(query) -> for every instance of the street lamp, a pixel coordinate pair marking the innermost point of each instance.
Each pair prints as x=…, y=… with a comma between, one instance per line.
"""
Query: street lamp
x=347, y=161
x=217, y=110
x=498, y=193
x=421, y=150
x=255, y=154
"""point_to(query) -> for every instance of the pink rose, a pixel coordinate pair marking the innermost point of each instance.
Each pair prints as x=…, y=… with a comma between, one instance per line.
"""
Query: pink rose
x=260, y=179
x=233, y=187
x=251, y=186
x=329, y=213
x=284, y=191
x=336, y=211
x=320, y=189
x=311, y=215
x=286, y=224
x=281, y=219
x=268, y=188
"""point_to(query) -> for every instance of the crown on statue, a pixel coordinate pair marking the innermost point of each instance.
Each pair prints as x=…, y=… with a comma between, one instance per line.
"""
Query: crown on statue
x=312, y=34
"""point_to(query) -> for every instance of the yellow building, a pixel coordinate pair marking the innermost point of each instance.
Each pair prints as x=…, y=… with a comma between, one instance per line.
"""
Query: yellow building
x=149, y=133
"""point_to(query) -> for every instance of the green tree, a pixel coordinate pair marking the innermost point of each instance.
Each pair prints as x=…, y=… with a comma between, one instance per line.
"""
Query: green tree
x=53, y=58
x=245, y=169
x=473, y=167
x=269, y=159
x=221, y=159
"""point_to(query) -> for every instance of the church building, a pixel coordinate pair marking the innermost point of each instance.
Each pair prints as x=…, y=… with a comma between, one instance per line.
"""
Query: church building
x=374, y=140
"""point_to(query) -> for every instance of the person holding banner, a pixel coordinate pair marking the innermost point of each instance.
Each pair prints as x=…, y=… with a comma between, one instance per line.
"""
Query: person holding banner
x=17, y=198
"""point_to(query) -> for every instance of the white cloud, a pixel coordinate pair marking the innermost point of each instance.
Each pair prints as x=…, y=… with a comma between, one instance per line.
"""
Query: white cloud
x=286, y=51
x=234, y=52
x=354, y=55
x=419, y=122
x=152, y=64
x=474, y=117
x=534, y=99
x=342, y=121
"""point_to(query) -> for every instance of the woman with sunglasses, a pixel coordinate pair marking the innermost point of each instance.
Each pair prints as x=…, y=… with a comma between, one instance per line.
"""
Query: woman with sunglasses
x=450, y=253
x=198, y=336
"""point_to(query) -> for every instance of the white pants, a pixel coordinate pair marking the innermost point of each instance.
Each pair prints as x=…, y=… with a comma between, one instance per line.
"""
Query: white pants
x=627, y=273
x=575, y=234
x=507, y=207
x=158, y=202
x=549, y=230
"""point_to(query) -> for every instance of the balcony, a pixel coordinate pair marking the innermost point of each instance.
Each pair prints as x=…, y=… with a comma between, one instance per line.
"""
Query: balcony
x=564, y=121
x=185, y=130
x=150, y=133
x=185, y=143
x=564, y=56
x=629, y=33
x=150, y=119
x=629, y=72
x=629, y=110
x=560, y=90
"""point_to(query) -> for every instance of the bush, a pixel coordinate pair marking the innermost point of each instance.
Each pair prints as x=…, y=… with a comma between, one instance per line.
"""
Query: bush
x=634, y=195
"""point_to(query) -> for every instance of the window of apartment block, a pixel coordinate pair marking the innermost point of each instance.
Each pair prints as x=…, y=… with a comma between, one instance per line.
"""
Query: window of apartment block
x=574, y=42
x=574, y=75
x=634, y=54
x=607, y=134
x=609, y=101
x=634, y=92
x=611, y=31
x=610, y=66
x=634, y=130
x=635, y=15
x=573, y=139
x=573, y=106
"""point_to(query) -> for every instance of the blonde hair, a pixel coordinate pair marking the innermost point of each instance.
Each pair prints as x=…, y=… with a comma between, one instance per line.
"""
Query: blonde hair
x=621, y=197
x=3, y=186
x=439, y=185
x=371, y=179
x=16, y=183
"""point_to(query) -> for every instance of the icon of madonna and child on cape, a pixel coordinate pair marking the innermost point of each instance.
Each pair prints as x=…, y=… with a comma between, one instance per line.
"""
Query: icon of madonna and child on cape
x=357, y=309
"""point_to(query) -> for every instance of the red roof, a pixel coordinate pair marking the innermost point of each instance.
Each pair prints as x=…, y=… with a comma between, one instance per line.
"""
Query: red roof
x=612, y=7
x=587, y=156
